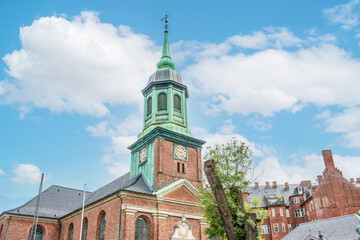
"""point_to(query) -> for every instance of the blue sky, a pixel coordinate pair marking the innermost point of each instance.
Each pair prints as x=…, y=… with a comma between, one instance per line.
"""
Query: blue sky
x=282, y=76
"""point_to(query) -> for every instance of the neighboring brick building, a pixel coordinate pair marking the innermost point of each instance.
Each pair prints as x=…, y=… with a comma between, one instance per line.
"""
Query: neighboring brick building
x=155, y=200
x=292, y=204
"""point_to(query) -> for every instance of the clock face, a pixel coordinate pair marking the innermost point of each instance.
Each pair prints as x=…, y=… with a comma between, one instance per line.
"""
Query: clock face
x=180, y=152
x=143, y=154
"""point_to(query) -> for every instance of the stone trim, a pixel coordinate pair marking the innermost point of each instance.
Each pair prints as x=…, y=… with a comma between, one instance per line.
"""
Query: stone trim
x=160, y=213
x=29, y=218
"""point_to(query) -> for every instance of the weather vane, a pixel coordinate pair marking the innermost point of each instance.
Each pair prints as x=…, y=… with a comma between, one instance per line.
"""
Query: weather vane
x=166, y=21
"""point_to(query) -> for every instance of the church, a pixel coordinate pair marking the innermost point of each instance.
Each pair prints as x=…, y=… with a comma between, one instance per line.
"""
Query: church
x=155, y=200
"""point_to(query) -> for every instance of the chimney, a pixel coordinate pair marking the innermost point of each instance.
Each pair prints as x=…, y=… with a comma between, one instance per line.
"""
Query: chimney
x=305, y=183
x=287, y=186
x=358, y=180
x=256, y=185
x=319, y=179
x=267, y=185
x=328, y=159
x=274, y=184
x=352, y=180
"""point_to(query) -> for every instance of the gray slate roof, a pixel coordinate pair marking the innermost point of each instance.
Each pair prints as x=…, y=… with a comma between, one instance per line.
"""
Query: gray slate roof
x=280, y=190
x=337, y=228
x=135, y=184
x=57, y=201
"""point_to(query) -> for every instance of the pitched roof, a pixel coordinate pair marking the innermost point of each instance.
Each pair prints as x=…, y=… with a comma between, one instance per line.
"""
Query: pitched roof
x=57, y=202
x=262, y=193
x=135, y=184
x=337, y=228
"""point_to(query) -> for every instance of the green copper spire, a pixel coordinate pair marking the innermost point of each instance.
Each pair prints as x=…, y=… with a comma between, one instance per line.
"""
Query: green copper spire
x=166, y=61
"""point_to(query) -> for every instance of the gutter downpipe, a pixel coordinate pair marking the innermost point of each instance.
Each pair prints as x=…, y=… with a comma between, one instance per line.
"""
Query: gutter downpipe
x=8, y=226
x=59, y=229
x=117, y=194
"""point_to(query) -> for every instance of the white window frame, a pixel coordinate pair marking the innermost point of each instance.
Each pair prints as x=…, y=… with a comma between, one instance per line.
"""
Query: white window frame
x=289, y=227
x=287, y=213
x=273, y=212
x=276, y=228
x=298, y=213
x=281, y=212
x=265, y=229
x=296, y=200
x=283, y=227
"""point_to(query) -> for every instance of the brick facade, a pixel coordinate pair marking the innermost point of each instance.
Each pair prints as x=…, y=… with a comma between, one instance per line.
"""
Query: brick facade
x=333, y=196
x=166, y=166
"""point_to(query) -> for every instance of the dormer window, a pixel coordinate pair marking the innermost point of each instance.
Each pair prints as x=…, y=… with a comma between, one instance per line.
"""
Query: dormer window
x=162, y=102
x=177, y=103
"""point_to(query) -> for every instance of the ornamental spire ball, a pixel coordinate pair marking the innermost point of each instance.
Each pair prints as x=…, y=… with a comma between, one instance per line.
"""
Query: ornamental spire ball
x=166, y=61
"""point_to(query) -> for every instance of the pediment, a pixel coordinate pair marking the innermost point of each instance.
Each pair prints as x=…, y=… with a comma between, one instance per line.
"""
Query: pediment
x=180, y=190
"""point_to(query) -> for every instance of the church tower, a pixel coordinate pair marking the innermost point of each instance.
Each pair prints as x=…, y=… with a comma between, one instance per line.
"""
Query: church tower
x=165, y=150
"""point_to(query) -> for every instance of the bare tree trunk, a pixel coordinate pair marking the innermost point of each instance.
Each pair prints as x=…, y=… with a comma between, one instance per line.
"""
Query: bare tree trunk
x=221, y=200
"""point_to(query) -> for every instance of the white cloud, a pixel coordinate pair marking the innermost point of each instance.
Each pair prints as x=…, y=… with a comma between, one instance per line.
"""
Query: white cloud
x=323, y=115
x=305, y=168
x=2, y=172
x=78, y=65
x=273, y=79
x=272, y=37
x=118, y=169
x=26, y=174
x=347, y=15
x=120, y=136
x=348, y=123
x=259, y=125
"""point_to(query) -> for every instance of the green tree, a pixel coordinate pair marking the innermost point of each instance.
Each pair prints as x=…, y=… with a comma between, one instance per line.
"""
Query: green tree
x=235, y=169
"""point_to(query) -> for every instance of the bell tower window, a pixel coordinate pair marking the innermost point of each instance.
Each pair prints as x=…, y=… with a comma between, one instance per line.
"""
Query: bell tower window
x=177, y=103
x=149, y=106
x=162, y=102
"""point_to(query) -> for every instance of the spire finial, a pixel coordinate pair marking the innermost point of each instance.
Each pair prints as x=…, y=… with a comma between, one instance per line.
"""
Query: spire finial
x=166, y=21
x=166, y=61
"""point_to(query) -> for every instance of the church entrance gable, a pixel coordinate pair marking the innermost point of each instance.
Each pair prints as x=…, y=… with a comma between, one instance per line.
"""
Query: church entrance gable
x=180, y=190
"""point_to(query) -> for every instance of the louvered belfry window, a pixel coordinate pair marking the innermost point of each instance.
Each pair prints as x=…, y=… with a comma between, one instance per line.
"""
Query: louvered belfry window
x=162, y=102
x=141, y=229
x=177, y=103
x=149, y=106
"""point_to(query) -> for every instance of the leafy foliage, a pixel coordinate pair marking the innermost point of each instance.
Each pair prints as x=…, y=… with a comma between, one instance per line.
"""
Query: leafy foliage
x=235, y=170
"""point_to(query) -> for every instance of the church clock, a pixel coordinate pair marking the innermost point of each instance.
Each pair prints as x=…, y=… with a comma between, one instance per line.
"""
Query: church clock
x=143, y=154
x=180, y=152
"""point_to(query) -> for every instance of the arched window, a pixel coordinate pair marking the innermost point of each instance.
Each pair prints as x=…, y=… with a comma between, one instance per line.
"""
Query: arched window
x=39, y=233
x=162, y=101
x=84, y=233
x=102, y=227
x=141, y=229
x=149, y=106
x=177, y=102
x=71, y=231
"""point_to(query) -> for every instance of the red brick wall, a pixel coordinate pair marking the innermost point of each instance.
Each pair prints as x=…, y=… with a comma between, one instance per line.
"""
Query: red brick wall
x=20, y=228
x=112, y=211
x=166, y=166
x=335, y=196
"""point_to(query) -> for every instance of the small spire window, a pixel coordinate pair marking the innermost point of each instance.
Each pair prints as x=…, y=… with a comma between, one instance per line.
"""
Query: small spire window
x=149, y=106
x=162, y=102
x=177, y=102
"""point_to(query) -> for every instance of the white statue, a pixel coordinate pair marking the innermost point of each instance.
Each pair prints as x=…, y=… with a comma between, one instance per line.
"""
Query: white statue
x=182, y=230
